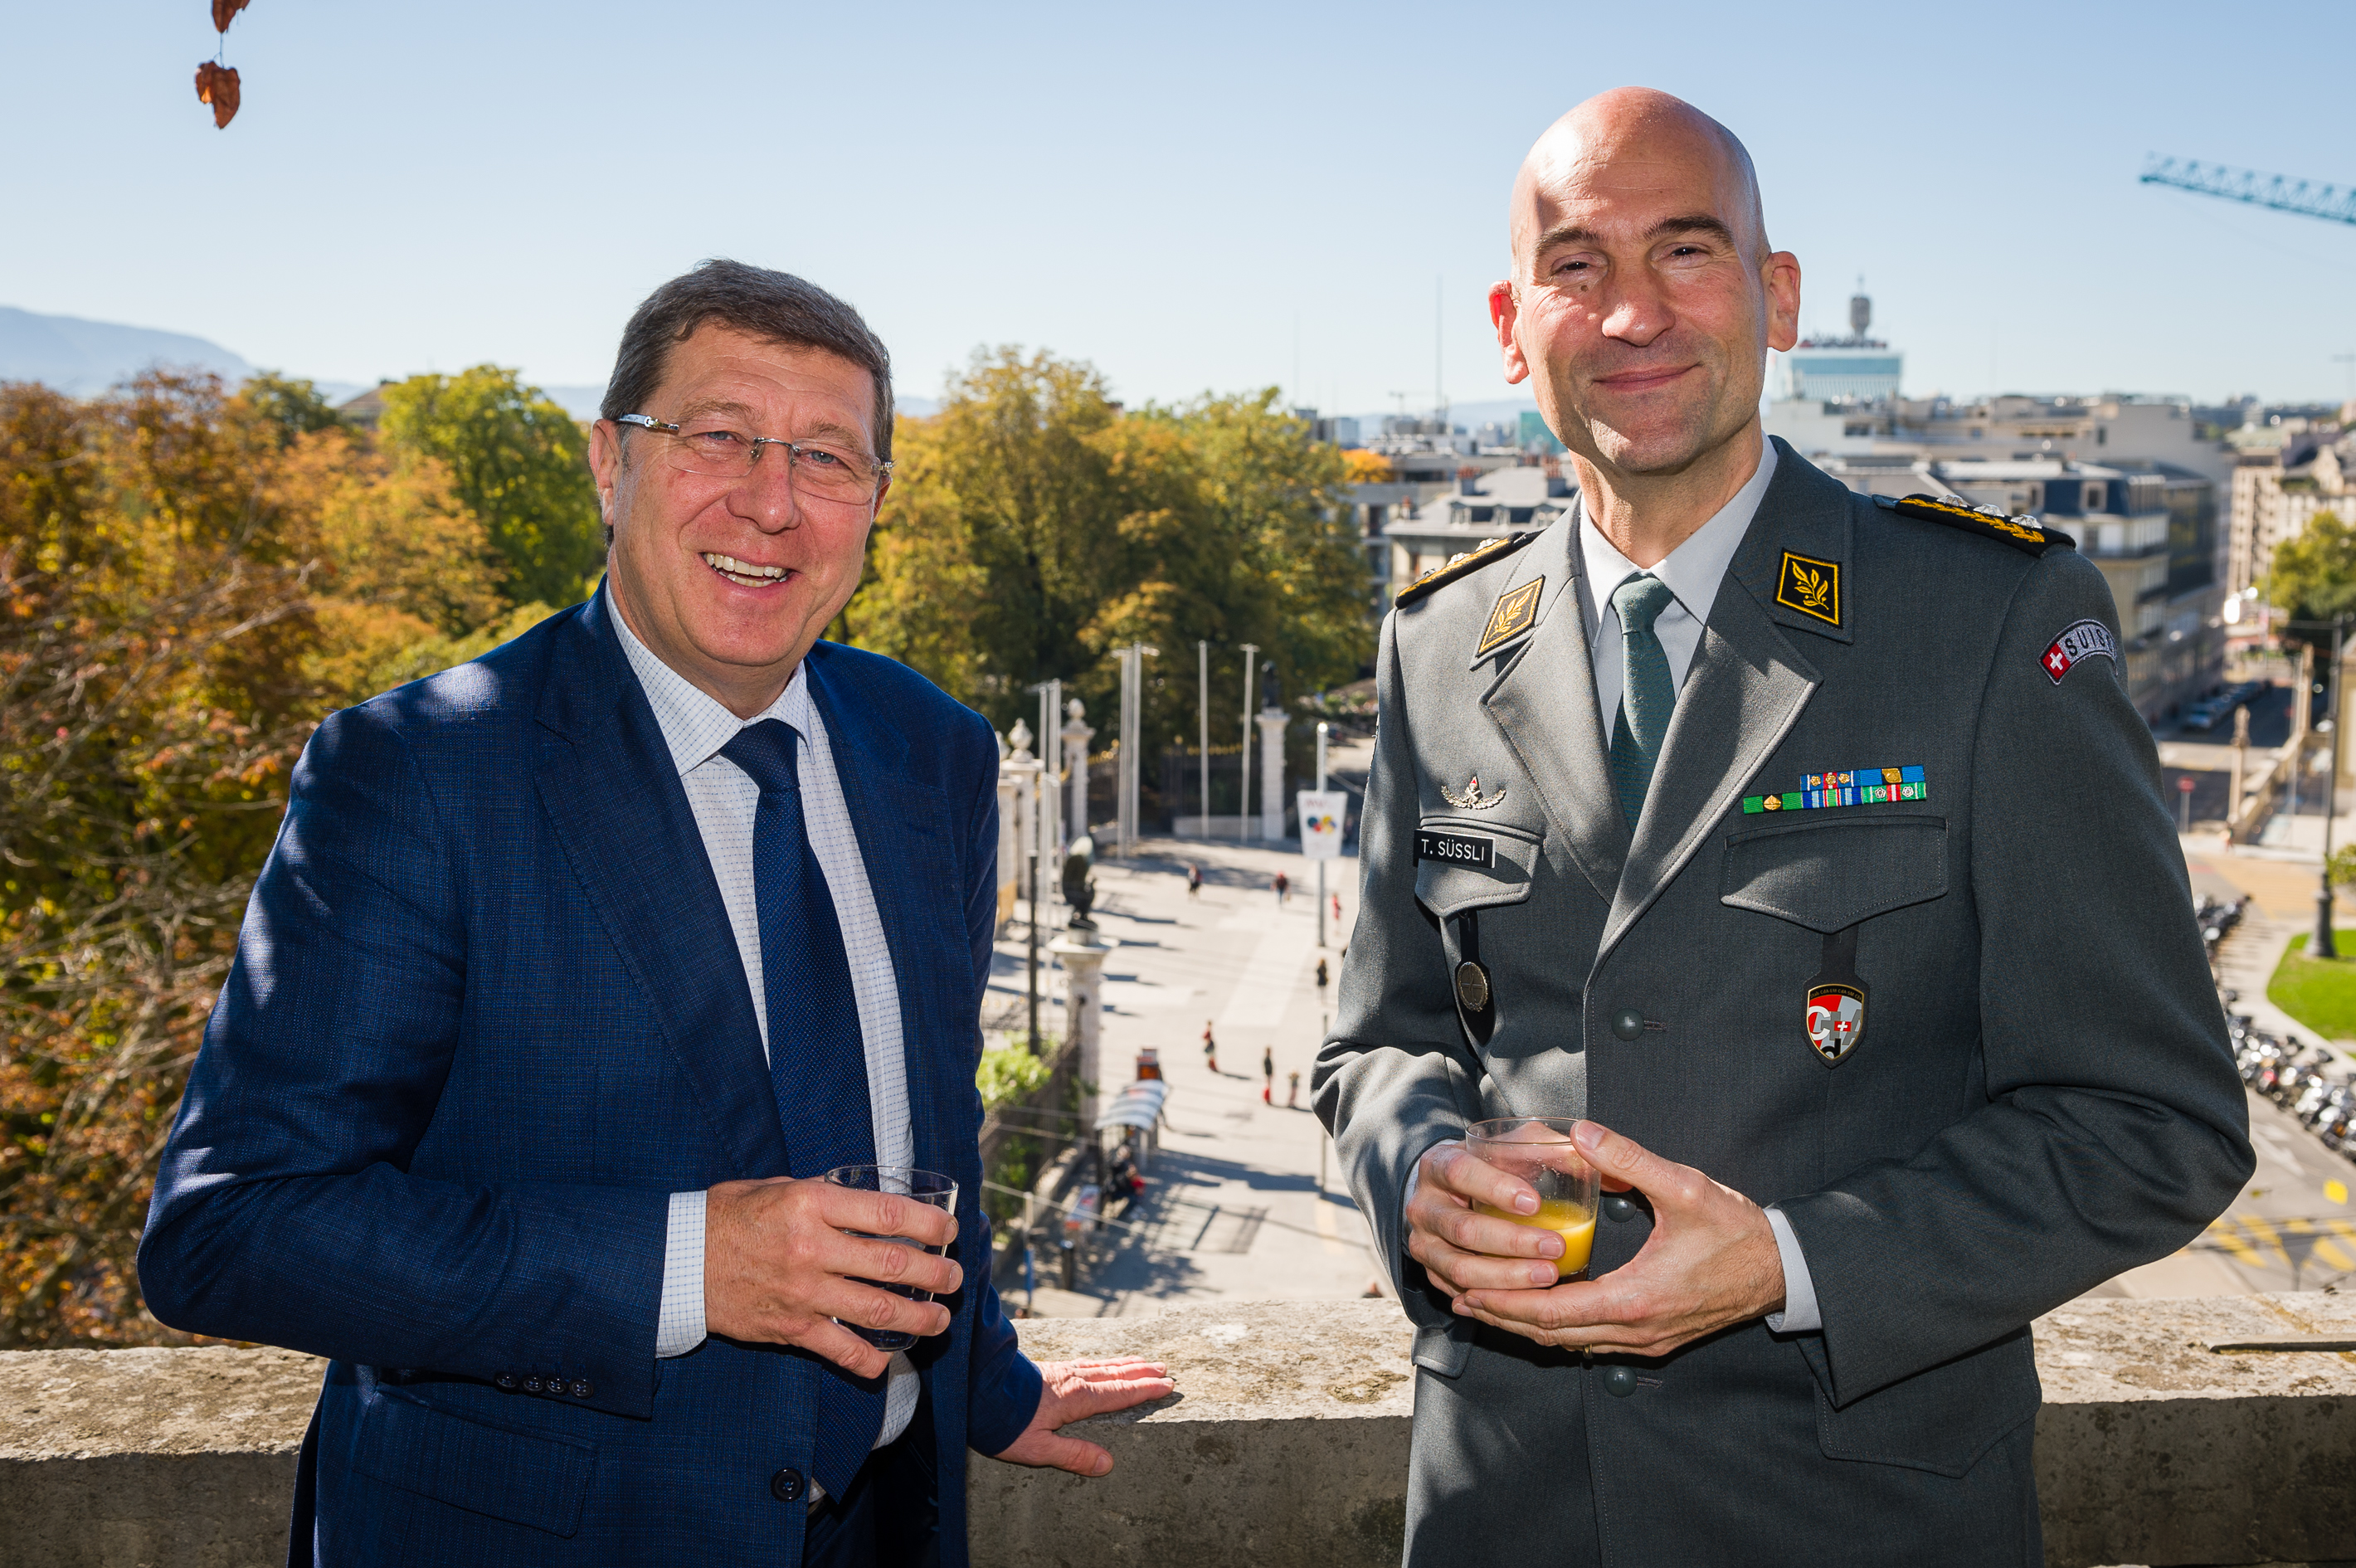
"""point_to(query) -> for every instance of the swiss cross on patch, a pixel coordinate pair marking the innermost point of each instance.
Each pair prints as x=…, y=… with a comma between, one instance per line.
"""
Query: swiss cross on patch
x=2080, y=640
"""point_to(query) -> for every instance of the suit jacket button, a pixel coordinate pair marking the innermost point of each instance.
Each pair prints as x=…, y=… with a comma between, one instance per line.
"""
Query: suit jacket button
x=1617, y=1206
x=582, y=1389
x=785, y=1485
x=507, y=1380
x=1619, y=1381
x=1627, y=1022
x=531, y=1385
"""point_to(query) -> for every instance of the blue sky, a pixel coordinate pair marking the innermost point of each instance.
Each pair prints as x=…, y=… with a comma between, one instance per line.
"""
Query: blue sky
x=1179, y=194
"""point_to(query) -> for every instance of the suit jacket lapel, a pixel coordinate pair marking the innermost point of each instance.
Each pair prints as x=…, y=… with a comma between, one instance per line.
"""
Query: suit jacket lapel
x=904, y=840
x=1544, y=702
x=1745, y=689
x=608, y=781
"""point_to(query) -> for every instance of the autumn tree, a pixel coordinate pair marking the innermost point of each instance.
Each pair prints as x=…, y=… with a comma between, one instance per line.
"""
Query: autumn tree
x=517, y=461
x=1033, y=528
x=189, y=580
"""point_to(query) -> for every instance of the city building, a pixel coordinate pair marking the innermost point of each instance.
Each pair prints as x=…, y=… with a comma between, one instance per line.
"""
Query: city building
x=2149, y=527
x=1478, y=506
x=1533, y=436
x=1337, y=431
x=1854, y=369
x=2284, y=477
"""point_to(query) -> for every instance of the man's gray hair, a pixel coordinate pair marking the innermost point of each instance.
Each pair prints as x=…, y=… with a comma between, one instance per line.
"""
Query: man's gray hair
x=775, y=307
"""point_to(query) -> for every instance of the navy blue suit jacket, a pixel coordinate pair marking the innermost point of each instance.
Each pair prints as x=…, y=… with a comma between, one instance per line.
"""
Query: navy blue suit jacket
x=487, y=1016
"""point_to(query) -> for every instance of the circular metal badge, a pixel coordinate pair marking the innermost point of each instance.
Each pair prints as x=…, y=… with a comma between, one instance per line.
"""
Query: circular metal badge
x=1473, y=986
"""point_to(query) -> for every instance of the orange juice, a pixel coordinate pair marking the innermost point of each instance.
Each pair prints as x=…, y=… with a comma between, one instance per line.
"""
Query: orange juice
x=1566, y=1218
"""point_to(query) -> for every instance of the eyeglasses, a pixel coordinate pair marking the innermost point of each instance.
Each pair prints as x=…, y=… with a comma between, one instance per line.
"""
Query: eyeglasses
x=817, y=471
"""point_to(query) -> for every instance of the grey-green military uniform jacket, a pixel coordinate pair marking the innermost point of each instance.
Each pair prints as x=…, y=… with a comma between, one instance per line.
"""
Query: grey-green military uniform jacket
x=2041, y=1095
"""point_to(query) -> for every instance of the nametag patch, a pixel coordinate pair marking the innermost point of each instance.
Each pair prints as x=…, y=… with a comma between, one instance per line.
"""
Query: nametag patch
x=1456, y=849
x=2078, y=641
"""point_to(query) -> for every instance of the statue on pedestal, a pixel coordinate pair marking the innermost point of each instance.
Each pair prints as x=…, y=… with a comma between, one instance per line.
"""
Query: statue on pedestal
x=1079, y=887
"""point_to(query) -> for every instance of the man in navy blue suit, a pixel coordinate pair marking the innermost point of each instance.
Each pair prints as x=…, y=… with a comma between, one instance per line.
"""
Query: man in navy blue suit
x=573, y=971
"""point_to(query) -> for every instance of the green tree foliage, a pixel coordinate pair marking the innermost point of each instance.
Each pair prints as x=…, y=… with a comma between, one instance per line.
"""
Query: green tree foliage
x=518, y=462
x=1034, y=528
x=293, y=405
x=190, y=579
x=2313, y=576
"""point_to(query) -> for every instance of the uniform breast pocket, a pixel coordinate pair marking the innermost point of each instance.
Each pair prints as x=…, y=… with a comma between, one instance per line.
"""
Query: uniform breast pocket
x=1464, y=866
x=1829, y=876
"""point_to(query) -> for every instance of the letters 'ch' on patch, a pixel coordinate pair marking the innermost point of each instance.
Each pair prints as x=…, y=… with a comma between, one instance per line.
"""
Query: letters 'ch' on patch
x=1811, y=587
x=1514, y=614
x=2080, y=640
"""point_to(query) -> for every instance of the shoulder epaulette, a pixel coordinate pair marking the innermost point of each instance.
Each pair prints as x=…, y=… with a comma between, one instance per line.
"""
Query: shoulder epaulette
x=2023, y=533
x=1456, y=566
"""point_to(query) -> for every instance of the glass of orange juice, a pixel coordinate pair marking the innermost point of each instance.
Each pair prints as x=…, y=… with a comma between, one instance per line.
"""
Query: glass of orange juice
x=1538, y=1150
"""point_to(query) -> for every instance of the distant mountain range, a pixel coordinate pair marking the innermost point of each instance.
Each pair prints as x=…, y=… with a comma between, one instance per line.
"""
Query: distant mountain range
x=87, y=357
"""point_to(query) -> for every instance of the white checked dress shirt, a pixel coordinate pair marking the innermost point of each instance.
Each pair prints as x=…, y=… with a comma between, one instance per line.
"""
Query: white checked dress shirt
x=726, y=799
x=1692, y=571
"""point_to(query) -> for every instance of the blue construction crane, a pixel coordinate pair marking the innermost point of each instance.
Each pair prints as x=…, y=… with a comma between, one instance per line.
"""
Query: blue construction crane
x=2278, y=191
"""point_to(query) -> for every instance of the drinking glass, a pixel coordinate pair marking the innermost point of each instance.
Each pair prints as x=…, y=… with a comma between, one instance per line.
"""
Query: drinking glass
x=1538, y=1150
x=929, y=1187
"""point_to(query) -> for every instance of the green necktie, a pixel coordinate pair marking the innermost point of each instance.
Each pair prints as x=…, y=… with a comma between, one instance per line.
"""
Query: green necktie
x=1646, y=693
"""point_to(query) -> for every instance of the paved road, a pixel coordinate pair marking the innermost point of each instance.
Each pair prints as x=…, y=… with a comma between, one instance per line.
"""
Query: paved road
x=1232, y=1207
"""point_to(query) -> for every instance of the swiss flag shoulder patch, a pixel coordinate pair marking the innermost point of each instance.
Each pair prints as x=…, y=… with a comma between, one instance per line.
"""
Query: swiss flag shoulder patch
x=2078, y=641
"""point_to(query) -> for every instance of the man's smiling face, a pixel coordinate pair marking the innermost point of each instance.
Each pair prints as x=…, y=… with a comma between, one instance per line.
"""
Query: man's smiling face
x=1644, y=296
x=730, y=581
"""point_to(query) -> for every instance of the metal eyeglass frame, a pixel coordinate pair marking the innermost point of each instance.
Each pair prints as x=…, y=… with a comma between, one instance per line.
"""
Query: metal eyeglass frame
x=793, y=448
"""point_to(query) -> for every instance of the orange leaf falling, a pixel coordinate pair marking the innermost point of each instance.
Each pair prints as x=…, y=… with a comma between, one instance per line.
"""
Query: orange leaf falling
x=223, y=10
x=217, y=85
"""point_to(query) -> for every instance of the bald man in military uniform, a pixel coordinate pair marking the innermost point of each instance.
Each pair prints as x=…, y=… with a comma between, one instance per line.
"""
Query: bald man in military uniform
x=1811, y=849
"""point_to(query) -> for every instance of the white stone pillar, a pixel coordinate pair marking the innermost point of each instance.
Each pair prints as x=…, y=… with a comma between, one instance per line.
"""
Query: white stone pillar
x=1018, y=831
x=1084, y=1018
x=1076, y=736
x=1009, y=857
x=1272, y=774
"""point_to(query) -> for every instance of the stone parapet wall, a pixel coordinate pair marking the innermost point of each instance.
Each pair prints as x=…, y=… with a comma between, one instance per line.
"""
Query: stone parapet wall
x=1286, y=1443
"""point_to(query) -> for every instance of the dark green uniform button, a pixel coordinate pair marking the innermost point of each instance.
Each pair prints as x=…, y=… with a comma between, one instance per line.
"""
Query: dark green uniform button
x=1627, y=1022
x=1620, y=1381
x=1616, y=1206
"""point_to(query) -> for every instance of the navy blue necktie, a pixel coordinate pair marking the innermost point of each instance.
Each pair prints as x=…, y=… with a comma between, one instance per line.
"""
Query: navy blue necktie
x=818, y=1056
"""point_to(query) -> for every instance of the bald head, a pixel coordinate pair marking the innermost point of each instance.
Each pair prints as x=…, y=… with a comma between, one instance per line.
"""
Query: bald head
x=1630, y=137
x=1644, y=299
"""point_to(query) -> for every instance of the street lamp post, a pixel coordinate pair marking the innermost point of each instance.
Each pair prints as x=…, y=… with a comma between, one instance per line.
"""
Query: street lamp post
x=1321, y=729
x=1203, y=713
x=1243, y=818
x=2321, y=944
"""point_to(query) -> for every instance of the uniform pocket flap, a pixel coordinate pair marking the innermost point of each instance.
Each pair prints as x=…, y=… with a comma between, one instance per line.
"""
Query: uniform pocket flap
x=520, y=1477
x=1465, y=864
x=1829, y=876
x=1942, y=1420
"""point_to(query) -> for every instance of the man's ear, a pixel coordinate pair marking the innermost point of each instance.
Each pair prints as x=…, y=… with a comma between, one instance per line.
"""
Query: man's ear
x=1504, y=310
x=1781, y=274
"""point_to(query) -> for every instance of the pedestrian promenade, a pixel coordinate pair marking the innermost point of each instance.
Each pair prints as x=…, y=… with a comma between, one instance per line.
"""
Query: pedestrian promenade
x=1232, y=1207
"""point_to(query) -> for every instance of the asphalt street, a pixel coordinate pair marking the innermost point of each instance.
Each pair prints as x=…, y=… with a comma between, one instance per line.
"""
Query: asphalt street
x=1233, y=1206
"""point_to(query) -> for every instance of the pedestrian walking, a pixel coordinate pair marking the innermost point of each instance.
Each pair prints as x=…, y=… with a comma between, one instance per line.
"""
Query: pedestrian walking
x=1283, y=887
x=1194, y=882
x=1323, y=980
x=1337, y=909
x=1210, y=1047
x=1292, y=1092
x=1267, y=1075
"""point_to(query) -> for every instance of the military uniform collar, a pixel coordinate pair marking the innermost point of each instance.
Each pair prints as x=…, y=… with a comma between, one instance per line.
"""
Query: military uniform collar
x=1795, y=560
x=1694, y=571
x=1531, y=591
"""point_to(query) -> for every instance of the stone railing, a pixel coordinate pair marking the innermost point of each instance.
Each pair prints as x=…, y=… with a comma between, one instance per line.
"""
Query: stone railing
x=2174, y=1433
